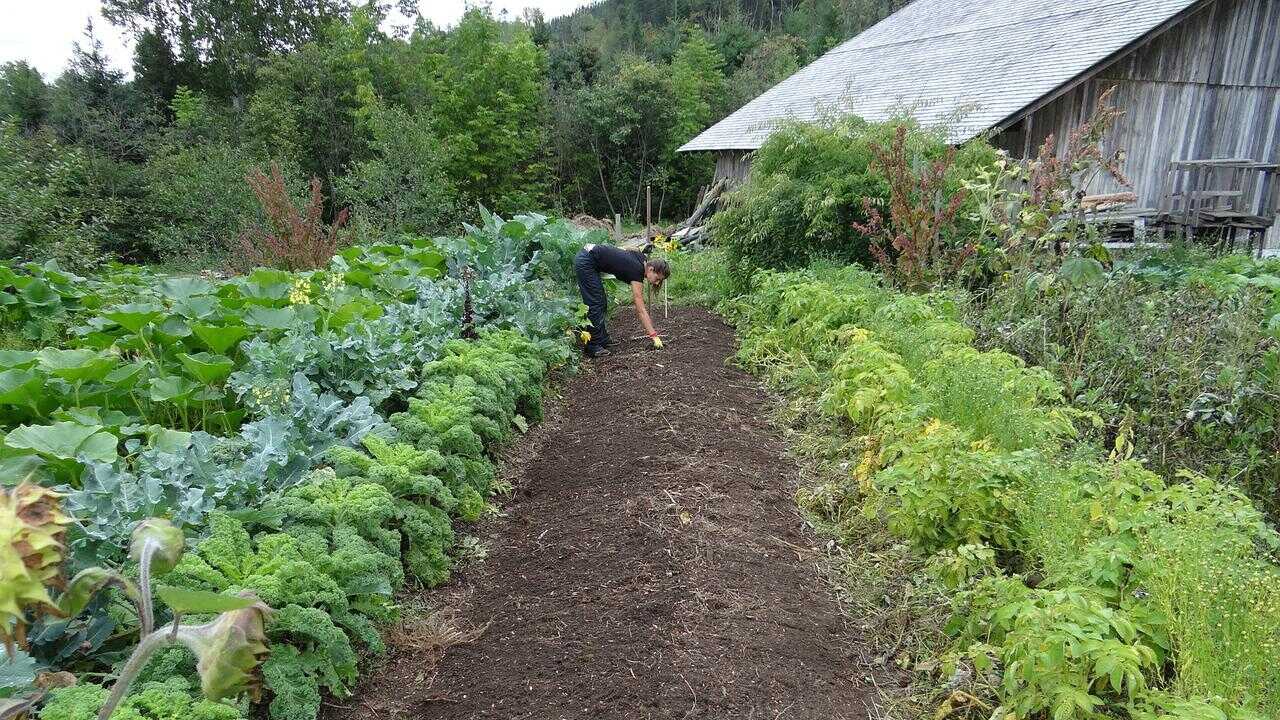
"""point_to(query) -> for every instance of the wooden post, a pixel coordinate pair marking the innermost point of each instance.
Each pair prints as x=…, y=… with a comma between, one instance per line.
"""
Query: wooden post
x=617, y=227
x=648, y=213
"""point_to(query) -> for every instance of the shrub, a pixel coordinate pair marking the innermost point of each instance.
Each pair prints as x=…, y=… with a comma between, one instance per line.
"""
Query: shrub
x=948, y=490
x=804, y=197
x=910, y=245
x=404, y=187
x=697, y=278
x=1020, y=208
x=1184, y=369
x=48, y=210
x=201, y=202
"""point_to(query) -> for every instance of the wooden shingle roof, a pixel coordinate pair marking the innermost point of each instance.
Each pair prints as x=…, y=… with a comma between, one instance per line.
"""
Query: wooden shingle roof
x=967, y=65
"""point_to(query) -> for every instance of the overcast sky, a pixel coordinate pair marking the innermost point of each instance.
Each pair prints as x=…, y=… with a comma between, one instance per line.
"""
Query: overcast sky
x=41, y=31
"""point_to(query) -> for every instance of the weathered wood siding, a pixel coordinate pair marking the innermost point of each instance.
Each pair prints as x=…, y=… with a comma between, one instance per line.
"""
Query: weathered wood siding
x=1209, y=87
x=733, y=164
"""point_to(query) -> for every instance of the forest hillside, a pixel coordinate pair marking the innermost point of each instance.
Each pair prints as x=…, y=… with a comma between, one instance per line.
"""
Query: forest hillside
x=406, y=126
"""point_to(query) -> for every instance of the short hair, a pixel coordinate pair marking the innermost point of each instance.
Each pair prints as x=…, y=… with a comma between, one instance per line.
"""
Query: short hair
x=660, y=266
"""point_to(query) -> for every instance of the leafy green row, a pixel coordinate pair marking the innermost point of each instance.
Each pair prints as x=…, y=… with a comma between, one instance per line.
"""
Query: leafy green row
x=1086, y=588
x=362, y=524
x=307, y=498
x=195, y=395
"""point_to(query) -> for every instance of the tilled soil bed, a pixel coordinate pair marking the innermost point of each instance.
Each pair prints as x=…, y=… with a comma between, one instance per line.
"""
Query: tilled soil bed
x=651, y=563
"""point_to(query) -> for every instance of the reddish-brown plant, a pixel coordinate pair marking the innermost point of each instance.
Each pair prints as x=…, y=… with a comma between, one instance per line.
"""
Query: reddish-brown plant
x=290, y=238
x=910, y=244
x=1057, y=180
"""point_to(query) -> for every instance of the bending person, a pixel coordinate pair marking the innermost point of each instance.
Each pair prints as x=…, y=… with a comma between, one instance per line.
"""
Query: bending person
x=626, y=265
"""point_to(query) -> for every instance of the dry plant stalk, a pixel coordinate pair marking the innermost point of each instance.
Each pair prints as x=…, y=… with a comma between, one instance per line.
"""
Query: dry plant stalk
x=437, y=631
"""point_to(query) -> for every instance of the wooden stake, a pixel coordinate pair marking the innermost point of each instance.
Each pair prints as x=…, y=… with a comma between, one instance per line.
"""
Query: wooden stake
x=648, y=214
x=617, y=227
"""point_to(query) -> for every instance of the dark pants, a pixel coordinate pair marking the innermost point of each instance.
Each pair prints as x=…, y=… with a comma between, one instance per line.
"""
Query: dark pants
x=592, y=289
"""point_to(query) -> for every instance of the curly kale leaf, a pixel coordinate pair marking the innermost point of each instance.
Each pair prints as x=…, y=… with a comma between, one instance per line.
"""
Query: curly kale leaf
x=295, y=693
x=333, y=501
x=402, y=454
x=276, y=569
x=405, y=485
x=471, y=505
x=430, y=534
x=169, y=700
x=323, y=648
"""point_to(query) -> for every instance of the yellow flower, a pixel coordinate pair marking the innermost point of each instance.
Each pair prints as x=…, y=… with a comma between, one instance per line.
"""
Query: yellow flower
x=300, y=294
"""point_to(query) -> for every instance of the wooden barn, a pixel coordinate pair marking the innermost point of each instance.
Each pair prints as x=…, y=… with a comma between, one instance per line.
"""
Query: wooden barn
x=1198, y=81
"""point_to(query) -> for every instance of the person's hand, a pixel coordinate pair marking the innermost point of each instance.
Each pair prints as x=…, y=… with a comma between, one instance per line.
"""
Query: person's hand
x=657, y=341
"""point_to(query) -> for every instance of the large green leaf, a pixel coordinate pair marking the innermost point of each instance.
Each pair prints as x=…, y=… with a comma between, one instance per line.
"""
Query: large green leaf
x=110, y=420
x=200, y=602
x=1081, y=271
x=77, y=366
x=219, y=338
x=172, y=329
x=269, y=276
x=361, y=278
x=65, y=441
x=267, y=284
x=514, y=229
x=206, y=367
x=270, y=318
x=167, y=440
x=20, y=387
x=134, y=316
x=171, y=388
x=431, y=263
x=201, y=306
x=394, y=284
x=184, y=287
x=40, y=294
x=360, y=309
x=17, y=671
x=17, y=469
x=125, y=376
x=224, y=418
x=17, y=358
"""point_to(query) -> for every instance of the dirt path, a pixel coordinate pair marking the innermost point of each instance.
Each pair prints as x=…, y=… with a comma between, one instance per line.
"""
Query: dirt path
x=651, y=565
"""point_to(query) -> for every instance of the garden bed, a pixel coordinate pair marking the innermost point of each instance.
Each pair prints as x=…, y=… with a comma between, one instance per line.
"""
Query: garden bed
x=651, y=563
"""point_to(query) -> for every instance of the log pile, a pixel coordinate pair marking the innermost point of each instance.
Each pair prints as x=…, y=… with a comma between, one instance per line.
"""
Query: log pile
x=692, y=233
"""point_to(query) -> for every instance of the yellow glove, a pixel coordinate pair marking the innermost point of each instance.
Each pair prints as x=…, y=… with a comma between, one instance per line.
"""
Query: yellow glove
x=657, y=342
x=584, y=336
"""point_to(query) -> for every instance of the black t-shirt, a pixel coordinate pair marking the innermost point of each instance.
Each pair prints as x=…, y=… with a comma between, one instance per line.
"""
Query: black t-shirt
x=625, y=265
